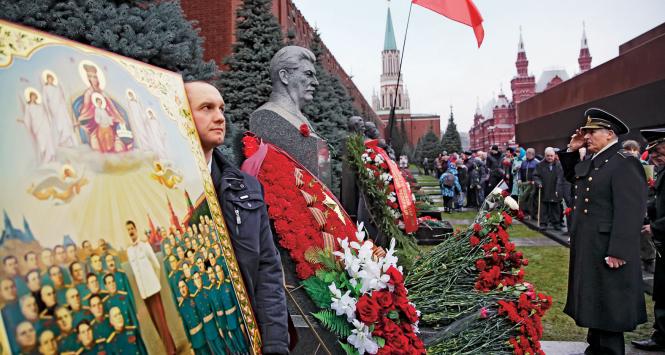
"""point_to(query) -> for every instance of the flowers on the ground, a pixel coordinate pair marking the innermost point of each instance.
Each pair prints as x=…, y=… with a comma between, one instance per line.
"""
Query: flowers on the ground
x=473, y=282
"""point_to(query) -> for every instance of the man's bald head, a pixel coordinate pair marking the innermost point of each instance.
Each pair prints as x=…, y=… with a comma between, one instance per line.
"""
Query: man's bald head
x=207, y=107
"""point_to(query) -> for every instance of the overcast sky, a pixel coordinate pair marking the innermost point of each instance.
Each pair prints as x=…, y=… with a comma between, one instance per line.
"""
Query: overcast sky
x=442, y=64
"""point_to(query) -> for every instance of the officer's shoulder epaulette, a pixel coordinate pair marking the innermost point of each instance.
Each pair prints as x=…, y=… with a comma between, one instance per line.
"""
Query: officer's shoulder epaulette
x=120, y=292
x=80, y=350
x=110, y=338
x=100, y=341
x=130, y=327
x=195, y=293
x=180, y=302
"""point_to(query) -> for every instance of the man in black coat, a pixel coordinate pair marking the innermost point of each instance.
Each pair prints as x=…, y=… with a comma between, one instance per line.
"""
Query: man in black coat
x=547, y=179
x=605, y=292
x=656, y=228
x=241, y=199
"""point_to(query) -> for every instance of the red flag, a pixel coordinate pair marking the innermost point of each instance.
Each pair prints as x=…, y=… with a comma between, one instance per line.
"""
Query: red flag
x=463, y=11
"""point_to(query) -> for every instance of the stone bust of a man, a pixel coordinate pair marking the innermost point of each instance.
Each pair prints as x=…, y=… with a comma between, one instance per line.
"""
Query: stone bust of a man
x=280, y=120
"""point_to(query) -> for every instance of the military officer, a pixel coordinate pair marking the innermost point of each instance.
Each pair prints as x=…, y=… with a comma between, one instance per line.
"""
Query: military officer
x=101, y=326
x=89, y=344
x=120, y=299
x=656, y=228
x=174, y=276
x=74, y=302
x=206, y=310
x=93, y=288
x=47, y=343
x=77, y=270
x=191, y=320
x=605, y=279
x=125, y=339
x=226, y=297
x=121, y=278
x=67, y=341
x=26, y=338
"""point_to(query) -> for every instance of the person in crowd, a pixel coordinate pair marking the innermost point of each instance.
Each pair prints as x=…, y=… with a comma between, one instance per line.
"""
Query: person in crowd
x=655, y=228
x=605, y=290
x=426, y=166
x=251, y=236
x=495, y=165
x=528, y=193
x=475, y=190
x=547, y=178
x=463, y=177
x=647, y=248
x=450, y=188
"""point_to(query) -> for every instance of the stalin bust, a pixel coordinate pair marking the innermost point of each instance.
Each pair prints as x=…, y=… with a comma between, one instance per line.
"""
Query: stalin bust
x=281, y=122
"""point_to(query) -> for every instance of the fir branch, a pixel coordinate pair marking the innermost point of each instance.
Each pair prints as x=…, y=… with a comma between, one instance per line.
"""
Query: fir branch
x=334, y=323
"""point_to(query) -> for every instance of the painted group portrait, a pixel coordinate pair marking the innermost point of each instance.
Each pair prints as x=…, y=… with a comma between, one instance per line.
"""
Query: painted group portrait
x=112, y=237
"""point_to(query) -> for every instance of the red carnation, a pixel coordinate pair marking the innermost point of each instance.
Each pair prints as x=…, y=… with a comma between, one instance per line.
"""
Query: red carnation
x=505, y=193
x=477, y=228
x=368, y=309
x=474, y=241
x=304, y=130
x=567, y=211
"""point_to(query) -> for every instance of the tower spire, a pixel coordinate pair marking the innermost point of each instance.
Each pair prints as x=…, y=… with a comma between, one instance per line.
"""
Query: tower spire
x=584, y=58
x=520, y=44
x=389, y=43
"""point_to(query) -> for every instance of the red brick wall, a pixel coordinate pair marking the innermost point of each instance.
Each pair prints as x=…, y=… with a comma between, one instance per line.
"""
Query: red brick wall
x=415, y=127
x=216, y=20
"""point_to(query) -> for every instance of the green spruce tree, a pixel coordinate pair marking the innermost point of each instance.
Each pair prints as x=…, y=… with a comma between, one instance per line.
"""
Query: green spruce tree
x=153, y=32
x=451, y=141
x=246, y=84
x=431, y=146
x=398, y=139
x=329, y=111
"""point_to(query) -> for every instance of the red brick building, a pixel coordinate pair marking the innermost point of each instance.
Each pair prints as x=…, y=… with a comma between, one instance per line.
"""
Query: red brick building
x=494, y=123
x=630, y=86
x=415, y=125
x=216, y=20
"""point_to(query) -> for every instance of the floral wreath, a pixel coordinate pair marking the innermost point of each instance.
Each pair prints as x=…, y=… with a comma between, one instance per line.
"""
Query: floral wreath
x=358, y=286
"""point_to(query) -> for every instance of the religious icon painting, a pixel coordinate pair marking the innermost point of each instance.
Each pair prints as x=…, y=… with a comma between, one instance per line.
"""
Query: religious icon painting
x=112, y=238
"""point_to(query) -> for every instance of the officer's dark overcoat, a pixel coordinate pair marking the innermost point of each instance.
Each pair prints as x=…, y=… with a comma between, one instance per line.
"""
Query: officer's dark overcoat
x=609, y=208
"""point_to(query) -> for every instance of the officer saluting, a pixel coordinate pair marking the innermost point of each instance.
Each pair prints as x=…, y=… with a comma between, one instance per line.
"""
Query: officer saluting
x=605, y=292
x=656, y=227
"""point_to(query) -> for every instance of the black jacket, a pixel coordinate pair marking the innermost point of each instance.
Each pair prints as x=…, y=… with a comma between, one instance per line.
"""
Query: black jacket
x=608, y=212
x=549, y=180
x=241, y=200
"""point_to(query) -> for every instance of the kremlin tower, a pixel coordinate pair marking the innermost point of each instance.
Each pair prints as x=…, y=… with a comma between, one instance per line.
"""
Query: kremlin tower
x=585, y=56
x=416, y=125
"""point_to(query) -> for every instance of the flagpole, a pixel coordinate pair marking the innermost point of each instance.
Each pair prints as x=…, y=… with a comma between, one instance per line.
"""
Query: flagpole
x=391, y=119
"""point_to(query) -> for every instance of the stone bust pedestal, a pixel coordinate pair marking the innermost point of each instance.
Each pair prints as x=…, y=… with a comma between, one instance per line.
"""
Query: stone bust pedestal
x=278, y=126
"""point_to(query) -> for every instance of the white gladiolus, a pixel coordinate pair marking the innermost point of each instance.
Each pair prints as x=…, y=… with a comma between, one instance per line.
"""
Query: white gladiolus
x=512, y=204
x=361, y=339
x=497, y=191
x=343, y=304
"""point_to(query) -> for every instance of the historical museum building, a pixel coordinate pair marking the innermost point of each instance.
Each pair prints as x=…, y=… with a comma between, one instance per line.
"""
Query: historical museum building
x=494, y=122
